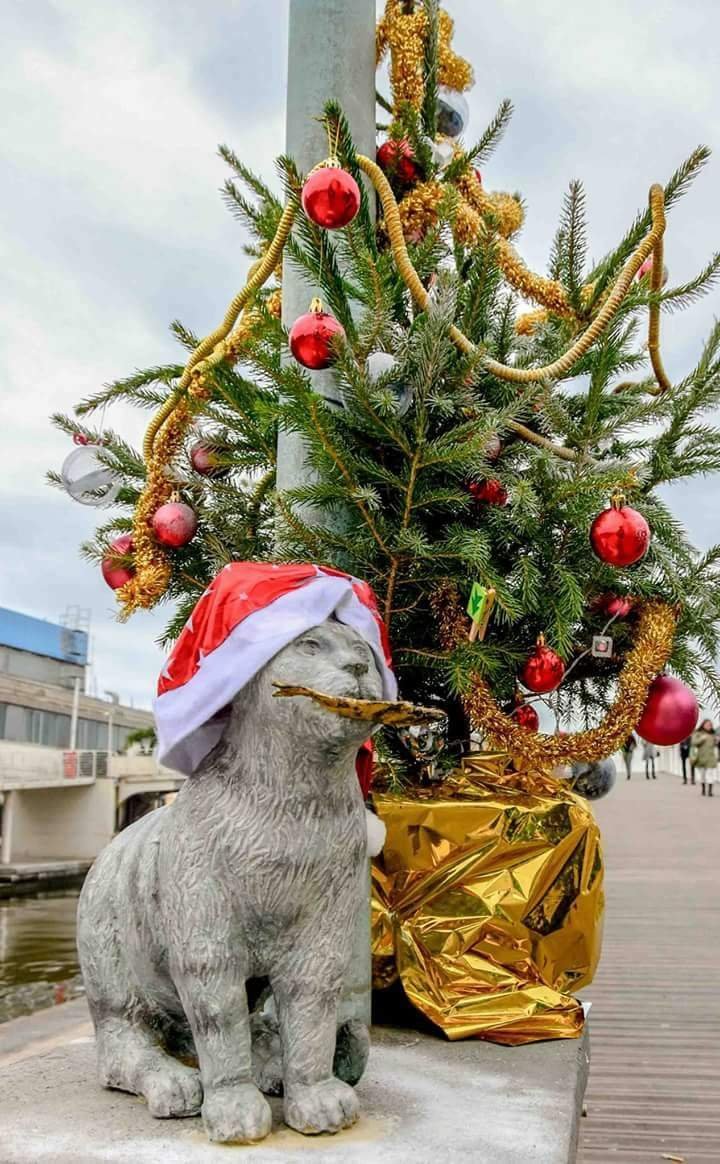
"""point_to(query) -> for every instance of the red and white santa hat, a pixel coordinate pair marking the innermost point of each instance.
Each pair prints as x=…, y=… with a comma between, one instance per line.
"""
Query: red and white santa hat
x=249, y=613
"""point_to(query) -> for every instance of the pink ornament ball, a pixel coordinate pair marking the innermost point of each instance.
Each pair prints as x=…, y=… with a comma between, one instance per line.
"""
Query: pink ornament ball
x=115, y=574
x=174, y=524
x=671, y=713
x=646, y=269
x=617, y=606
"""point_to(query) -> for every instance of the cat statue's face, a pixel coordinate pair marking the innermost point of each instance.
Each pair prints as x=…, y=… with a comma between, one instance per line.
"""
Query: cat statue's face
x=332, y=658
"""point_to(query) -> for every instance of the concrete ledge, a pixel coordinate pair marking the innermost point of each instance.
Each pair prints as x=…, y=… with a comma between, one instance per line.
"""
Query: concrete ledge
x=26, y=877
x=424, y=1101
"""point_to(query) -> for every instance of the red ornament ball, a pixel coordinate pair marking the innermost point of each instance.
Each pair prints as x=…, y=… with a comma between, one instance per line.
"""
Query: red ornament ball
x=616, y=606
x=397, y=160
x=490, y=491
x=113, y=572
x=670, y=714
x=526, y=716
x=79, y=438
x=543, y=671
x=331, y=197
x=174, y=524
x=205, y=461
x=620, y=536
x=311, y=339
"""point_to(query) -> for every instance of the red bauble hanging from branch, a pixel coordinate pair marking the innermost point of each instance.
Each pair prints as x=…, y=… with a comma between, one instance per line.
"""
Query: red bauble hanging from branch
x=670, y=714
x=174, y=524
x=206, y=459
x=526, y=716
x=331, y=197
x=617, y=605
x=620, y=536
x=114, y=573
x=543, y=671
x=491, y=491
x=397, y=160
x=311, y=337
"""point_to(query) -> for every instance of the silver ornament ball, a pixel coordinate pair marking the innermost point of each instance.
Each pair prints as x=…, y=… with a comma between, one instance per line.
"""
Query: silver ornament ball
x=442, y=152
x=87, y=480
x=593, y=780
x=453, y=112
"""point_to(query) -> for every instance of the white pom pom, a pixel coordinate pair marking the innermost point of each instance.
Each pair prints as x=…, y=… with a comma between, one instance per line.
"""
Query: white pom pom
x=376, y=833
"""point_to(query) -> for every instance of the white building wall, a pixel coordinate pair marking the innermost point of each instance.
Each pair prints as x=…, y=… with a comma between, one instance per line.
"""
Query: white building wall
x=46, y=824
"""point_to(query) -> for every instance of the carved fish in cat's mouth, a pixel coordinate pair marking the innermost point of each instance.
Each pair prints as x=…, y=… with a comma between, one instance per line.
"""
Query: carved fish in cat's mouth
x=391, y=713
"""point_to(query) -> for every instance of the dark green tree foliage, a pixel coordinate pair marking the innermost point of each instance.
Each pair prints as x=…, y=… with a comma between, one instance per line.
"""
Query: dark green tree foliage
x=389, y=498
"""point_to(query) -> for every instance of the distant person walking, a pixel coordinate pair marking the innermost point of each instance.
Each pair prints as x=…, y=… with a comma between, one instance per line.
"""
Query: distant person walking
x=685, y=747
x=650, y=754
x=627, y=750
x=704, y=756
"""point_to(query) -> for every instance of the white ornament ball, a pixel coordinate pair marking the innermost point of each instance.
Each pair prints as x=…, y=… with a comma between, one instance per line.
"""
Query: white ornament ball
x=453, y=112
x=379, y=364
x=87, y=479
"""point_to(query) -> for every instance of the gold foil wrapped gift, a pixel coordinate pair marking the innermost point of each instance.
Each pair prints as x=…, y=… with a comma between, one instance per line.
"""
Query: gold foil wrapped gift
x=488, y=901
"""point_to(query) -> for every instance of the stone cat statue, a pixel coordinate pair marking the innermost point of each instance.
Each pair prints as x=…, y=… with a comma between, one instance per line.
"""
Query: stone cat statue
x=256, y=870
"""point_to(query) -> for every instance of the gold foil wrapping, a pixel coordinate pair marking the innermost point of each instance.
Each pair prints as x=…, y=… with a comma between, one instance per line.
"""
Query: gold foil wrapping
x=488, y=902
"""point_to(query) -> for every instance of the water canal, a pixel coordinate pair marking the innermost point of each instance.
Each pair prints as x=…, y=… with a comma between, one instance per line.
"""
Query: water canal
x=38, y=959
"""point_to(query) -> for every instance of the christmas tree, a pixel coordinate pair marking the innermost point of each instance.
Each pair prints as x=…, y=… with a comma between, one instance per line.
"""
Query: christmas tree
x=497, y=440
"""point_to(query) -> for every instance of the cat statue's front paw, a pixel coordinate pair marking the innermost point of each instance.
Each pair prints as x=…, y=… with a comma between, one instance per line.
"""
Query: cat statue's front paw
x=236, y=1114
x=321, y=1107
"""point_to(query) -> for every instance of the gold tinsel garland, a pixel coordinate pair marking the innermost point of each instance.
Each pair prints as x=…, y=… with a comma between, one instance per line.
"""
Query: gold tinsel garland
x=504, y=212
x=644, y=662
x=152, y=564
x=402, y=31
x=530, y=321
x=420, y=212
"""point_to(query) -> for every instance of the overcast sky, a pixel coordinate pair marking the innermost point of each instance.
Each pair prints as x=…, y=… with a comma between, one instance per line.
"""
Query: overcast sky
x=111, y=226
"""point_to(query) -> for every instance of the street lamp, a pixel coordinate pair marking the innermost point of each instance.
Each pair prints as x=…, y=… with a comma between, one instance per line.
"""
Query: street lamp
x=114, y=700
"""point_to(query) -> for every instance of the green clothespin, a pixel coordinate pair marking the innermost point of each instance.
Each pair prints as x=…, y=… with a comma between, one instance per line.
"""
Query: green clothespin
x=480, y=606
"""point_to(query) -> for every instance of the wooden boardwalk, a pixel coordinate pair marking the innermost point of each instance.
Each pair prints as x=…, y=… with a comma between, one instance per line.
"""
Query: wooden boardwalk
x=654, y=1091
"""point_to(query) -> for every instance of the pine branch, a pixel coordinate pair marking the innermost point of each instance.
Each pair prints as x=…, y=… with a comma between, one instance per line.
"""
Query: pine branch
x=187, y=338
x=133, y=388
x=258, y=187
x=478, y=154
x=682, y=296
x=383, y=102
x=573, y=227
x=679, y=184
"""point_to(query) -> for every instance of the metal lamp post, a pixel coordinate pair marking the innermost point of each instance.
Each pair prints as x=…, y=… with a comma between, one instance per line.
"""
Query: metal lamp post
x=331, y=57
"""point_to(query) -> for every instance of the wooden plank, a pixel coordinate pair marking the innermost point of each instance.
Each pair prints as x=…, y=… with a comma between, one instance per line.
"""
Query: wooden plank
x=655, y=1022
